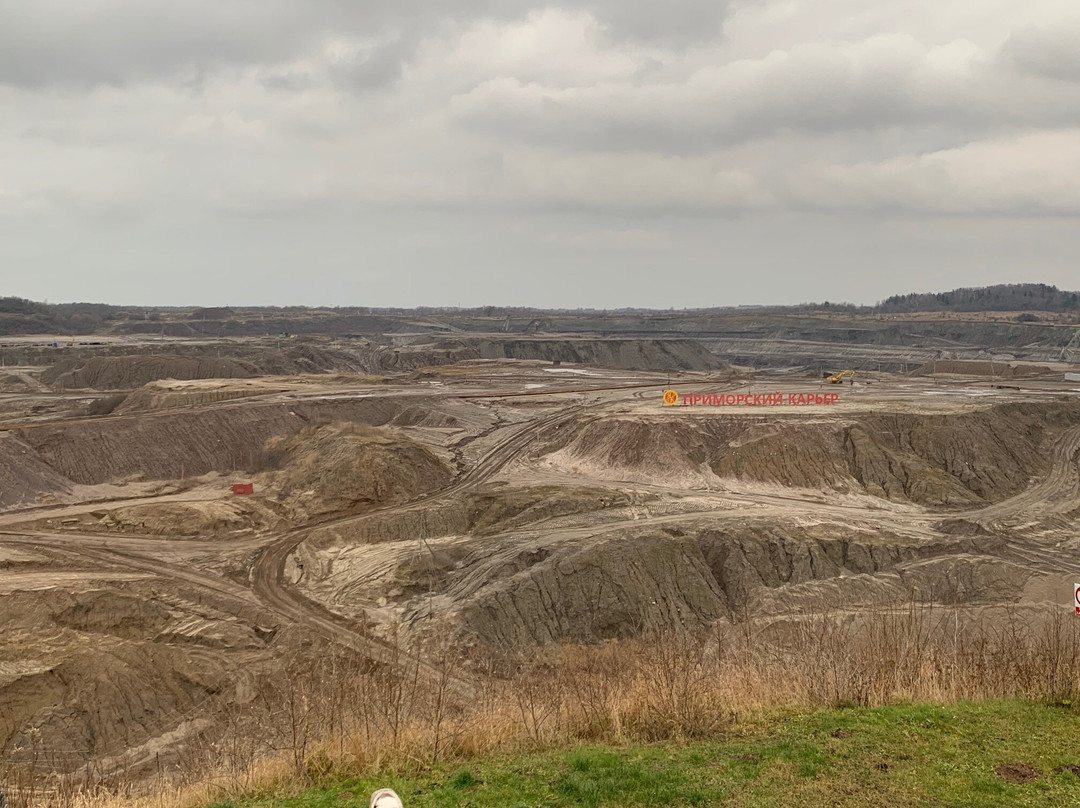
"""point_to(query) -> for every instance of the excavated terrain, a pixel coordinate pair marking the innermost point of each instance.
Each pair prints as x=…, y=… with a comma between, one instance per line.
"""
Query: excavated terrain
x=215, y=439
x=98, y=370
x=478, y=489
x=705, y=550
x=339, y=468
x=126, y=372
x=997, y=370
x=624, y=354
x=98, y=666
x=937, y=460
x=24, y=476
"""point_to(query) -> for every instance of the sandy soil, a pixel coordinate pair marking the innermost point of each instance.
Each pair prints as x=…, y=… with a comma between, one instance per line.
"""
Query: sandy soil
x=520, y=502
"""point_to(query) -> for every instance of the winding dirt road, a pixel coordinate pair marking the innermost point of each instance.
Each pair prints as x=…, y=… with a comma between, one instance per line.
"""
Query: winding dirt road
x=268, y=573
x=271, y=594
x=269, y=588
x=1059, y=492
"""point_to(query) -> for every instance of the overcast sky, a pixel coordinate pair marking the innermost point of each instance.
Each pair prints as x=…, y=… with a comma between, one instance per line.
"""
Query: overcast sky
x=598, y=153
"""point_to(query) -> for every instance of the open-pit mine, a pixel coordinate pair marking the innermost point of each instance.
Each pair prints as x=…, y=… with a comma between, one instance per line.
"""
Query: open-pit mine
x=505, y=484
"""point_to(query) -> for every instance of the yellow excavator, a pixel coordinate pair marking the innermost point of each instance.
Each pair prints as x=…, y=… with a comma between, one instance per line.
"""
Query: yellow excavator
x=838, y=378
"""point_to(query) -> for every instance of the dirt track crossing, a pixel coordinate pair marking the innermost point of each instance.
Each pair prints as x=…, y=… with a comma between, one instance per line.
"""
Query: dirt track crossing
x=269, y=590
x=268, y=571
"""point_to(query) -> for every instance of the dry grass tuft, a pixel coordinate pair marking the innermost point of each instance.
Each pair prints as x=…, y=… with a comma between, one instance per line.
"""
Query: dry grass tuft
x=336, y=714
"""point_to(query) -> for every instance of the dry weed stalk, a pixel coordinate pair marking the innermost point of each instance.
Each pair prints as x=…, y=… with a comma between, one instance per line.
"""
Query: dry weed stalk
x=333, y=712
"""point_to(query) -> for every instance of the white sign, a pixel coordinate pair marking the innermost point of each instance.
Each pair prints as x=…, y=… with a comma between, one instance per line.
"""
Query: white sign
x=1076, y=597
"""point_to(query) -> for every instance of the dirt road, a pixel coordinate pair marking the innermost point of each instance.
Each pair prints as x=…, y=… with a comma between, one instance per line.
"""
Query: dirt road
x=270, y=591
x=268, y=572
x=1058, y=492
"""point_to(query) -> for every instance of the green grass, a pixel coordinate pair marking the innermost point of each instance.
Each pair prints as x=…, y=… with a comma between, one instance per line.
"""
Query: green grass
x=908, y=755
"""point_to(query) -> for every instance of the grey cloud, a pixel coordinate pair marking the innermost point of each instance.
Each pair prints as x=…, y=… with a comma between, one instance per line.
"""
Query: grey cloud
x=53, y=41
x=242, y=139
x=375, y=66
x=1050, y=52
x=674, y=24
x=114, y=41
x=882, y=82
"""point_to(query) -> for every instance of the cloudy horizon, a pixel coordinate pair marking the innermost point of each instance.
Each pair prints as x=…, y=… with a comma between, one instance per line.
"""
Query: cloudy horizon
x=584, y=153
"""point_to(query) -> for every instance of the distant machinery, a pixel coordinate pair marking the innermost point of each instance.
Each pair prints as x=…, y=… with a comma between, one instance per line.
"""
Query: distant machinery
x=838, y=378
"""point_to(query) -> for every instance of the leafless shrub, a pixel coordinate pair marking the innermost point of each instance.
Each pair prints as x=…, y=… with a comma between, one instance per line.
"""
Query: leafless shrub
x=334, y=712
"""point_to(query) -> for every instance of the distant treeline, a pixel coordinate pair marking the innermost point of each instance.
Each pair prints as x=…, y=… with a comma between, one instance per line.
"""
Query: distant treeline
x=1004, y=297
x=20, y=316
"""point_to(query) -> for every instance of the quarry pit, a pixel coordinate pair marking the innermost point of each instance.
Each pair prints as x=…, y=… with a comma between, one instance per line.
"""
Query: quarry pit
x=505, y=495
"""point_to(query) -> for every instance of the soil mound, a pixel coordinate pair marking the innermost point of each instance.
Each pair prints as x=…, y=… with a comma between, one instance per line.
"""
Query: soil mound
x=624, y=354
x=1018, y=773
x=621, y=354
x=90, y=672
x=112, y=695
x=110, y=368
x=635, y=448
x=941, y=460
x=202, y=441
x=497, y=511
x=189, y=519
x=961, y=527
x=14, y=383
x=170, y=393
x=507, y=593
x=694, y=450
x=954, y=459
x=806, y=455
x=24, y=477
x=114, y=613
x=161, y=447
x=996, y=370
x=337, y=468
x=127, y=372
x=748, y=559
x=549, y=592
x=614, y=588
x=486, y=512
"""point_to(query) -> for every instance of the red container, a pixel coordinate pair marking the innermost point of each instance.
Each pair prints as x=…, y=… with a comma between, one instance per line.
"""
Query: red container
x=243, y=489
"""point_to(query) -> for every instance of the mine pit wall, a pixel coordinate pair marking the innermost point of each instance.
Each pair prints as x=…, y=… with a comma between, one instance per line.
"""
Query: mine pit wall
x=175, y=445
x=833, y=327
x=24, y=476
x=629, y=354
x=936, y=460
x=743, y=562
x=619, y=586
x=814, y=357
x=945, y=334
x=661, y=355
x=147, y=399
x=125, y=367
x=142, y=661
x=626, y=586
x=610, y=589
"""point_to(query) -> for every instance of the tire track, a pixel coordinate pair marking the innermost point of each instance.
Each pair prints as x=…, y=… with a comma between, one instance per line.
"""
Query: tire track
x=268, y=578
x=1058, y=492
